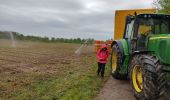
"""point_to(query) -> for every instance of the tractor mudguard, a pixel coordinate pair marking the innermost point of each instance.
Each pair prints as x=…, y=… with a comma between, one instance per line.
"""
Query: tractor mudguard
x=119, y=43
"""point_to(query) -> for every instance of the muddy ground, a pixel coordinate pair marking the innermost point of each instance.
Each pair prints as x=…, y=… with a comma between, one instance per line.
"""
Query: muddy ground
x=31, y=63
x=115, y=90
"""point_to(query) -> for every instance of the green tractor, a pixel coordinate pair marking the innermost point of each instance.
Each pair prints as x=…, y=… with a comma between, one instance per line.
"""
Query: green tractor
x=143, y=55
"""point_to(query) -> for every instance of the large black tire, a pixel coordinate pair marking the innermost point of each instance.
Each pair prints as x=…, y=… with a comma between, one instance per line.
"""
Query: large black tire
x=116, y=63
x=153, y=78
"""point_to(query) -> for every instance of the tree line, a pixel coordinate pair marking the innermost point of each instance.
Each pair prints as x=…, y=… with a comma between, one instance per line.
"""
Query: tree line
x=18, y=36
x=163, y=6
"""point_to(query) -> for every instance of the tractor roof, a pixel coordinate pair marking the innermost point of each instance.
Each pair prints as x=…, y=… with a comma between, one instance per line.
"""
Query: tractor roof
x=162, y=16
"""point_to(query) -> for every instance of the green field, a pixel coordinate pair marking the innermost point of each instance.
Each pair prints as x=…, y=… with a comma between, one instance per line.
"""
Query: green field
x=48, y=71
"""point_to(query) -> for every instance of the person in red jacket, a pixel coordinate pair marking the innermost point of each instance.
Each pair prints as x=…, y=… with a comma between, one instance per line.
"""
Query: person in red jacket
x=102, y=57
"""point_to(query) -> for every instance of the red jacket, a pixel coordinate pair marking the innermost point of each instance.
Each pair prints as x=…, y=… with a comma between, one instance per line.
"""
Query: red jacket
x=102, y=56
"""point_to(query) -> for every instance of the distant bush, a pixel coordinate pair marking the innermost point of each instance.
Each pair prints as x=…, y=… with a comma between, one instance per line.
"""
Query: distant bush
x=18, y=36
x=4, y=35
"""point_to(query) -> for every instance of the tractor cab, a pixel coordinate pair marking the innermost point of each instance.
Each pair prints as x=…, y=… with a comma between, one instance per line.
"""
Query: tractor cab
x=141, y=27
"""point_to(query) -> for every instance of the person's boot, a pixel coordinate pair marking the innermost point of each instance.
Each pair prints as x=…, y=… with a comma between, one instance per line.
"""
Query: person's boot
x=102, y=76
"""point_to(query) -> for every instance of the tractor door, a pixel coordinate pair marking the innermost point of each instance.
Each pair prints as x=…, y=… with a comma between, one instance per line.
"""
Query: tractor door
x=140, y=35
x=129, y=34
x=136, y=32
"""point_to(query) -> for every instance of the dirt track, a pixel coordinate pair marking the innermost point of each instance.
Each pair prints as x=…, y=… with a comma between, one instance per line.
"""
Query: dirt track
x=120, y=90
x=115, y=90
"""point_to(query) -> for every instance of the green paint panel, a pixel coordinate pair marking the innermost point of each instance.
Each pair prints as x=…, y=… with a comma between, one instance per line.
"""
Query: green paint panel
x=125, y=46
x=124, y=68
x=160, y=45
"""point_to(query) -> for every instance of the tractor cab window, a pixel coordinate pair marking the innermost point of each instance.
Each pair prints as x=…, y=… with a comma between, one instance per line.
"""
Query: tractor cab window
x=143, y=30
x=162, y=27
x=150, y=26
x=129, y=30
x=129, y=33
x=154, y=26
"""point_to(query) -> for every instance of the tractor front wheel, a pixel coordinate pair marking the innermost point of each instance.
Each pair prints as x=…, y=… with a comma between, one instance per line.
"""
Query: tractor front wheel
x=116, y=63
x=147, y=77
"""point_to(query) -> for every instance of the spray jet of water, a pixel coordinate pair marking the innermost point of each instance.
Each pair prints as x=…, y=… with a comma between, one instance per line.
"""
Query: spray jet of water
x=12, y=39
x=79, y=50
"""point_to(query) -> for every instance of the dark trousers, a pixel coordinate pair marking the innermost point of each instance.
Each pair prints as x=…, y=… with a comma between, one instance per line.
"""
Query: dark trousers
x=101, y=69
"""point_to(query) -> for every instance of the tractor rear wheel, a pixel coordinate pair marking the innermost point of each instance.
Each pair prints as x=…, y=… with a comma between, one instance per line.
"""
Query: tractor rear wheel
x=147, y=77
x=116, y=62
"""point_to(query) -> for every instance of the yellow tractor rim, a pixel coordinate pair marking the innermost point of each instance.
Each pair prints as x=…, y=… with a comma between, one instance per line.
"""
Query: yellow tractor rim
x=137, y=78
x=114, y=61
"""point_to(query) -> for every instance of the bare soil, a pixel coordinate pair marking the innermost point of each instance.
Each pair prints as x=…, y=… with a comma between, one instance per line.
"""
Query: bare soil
x=28, y=62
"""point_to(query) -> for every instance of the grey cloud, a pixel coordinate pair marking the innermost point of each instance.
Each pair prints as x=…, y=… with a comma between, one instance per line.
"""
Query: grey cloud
x=62, y=18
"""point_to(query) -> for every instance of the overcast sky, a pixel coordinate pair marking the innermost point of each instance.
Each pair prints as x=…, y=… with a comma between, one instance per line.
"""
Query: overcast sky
x=64, y=18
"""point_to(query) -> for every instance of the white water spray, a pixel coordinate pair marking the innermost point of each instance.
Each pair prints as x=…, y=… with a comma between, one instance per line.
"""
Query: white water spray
x=12, y=39
x=79, y=50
